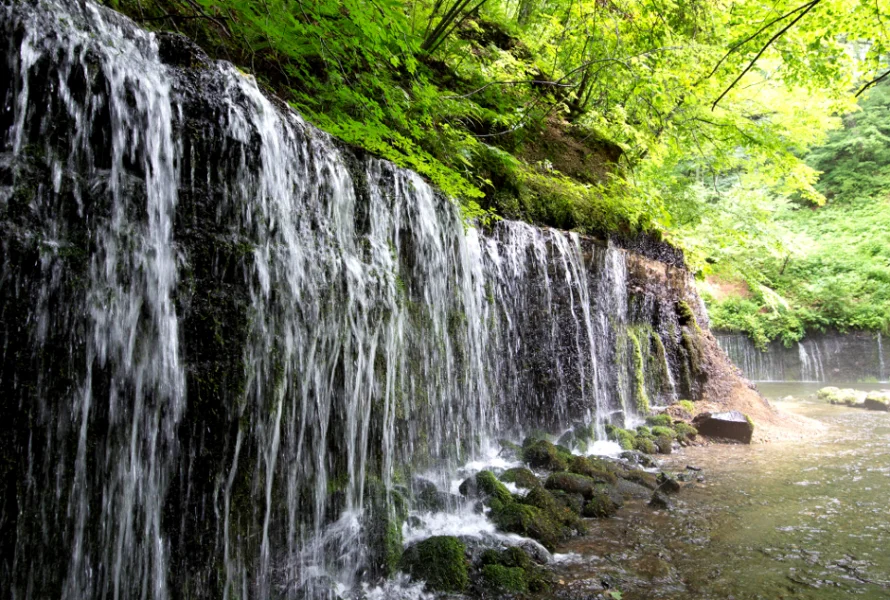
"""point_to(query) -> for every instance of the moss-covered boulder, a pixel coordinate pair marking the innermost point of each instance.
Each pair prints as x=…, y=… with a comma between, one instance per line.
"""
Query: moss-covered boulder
x=509, y=450
x=665, y=444
x=544, y=455
x=599, y=506
x=571, y=483
x=685, y=431
x=661, y=420
x=624, y=437
x=530, y=521
x=516, y=572
x=846, y=396
x=439, y=561
x=659, y=431
x=879, y=401
x=573, y=502
x=645, y=445
x=522, y=477
x=499, y=578
x=545, y=501
x=485, y=485
x=581, y=465
x=667, y=484
x=643, y=478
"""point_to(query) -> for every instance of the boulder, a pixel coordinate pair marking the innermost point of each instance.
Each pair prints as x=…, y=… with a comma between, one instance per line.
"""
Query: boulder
x=667, y=484
x=522, y=477
x=877, y=401
x=660, y=500
x=544, y=455
x=439, y=561
x=731, y=425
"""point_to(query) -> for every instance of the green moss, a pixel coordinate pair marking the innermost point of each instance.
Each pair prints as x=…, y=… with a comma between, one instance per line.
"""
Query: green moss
x=571, y=483
x=599, y=506
x=557, y=511
x=584, y=466
x=641, y=477
x=687, y=405
x=488, y=485
x=665, y=444
x=687, y=316
x=521, y=476
x=501, y=578
x=644, y=431
x=685, y=431
x=439, y=561
x=640, y=394
x=660, y=431
x=624, y=437
x=544, y=455
x=661, y=420
x=530, y=521
x=645, y=445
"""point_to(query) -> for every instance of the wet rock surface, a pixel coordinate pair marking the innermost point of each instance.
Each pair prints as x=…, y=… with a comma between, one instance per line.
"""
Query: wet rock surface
x=731, y=425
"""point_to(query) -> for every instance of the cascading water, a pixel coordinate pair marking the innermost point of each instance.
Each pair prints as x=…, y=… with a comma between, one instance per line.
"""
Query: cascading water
x=830, y=357
x=226, y=337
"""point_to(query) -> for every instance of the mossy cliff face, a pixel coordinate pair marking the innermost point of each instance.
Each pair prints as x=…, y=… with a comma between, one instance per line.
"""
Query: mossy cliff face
x=227, y=335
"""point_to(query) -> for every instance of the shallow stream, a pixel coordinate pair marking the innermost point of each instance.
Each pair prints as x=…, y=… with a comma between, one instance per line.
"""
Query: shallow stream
x=805, y=520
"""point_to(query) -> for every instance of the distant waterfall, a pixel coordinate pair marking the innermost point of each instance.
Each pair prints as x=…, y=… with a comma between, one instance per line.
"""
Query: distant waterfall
x=820, y=358
x=227, y=337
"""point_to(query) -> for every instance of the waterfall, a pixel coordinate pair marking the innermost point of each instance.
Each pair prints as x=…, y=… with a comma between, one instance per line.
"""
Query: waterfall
x=835, y=357
x=228, y=339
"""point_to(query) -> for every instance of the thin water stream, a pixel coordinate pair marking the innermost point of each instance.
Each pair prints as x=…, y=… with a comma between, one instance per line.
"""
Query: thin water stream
x=804, y=520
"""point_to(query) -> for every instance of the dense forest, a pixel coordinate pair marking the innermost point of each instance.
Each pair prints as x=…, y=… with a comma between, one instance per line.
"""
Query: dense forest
x=750, y=135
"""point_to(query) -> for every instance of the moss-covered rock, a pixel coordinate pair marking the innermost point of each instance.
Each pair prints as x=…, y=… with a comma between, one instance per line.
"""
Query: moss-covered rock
x=582, y=465
x=555, y=510
x=599, y=506
x=571, y=483
x=522, y=477
x=544, y=455
x=486, y=486
x=661, y=431
x=687, y=405
x=439, y=561
x=646, y=445
x=499, y=578
x=643, y=478
x=530, y=521
x=624, y=437
x=661, y=420
x=509, y=450
x=384, y=518
x=573, y=502
x=665, y=444
x=685, y=431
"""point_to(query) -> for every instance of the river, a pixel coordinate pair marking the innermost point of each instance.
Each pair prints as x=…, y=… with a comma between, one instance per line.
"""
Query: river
x=803, y=520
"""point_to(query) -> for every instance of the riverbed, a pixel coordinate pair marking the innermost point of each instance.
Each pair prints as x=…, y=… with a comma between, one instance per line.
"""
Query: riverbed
x=803, y=520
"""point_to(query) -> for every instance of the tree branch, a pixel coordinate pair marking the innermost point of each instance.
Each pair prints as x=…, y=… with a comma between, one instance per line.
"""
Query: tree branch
x=779, y=34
